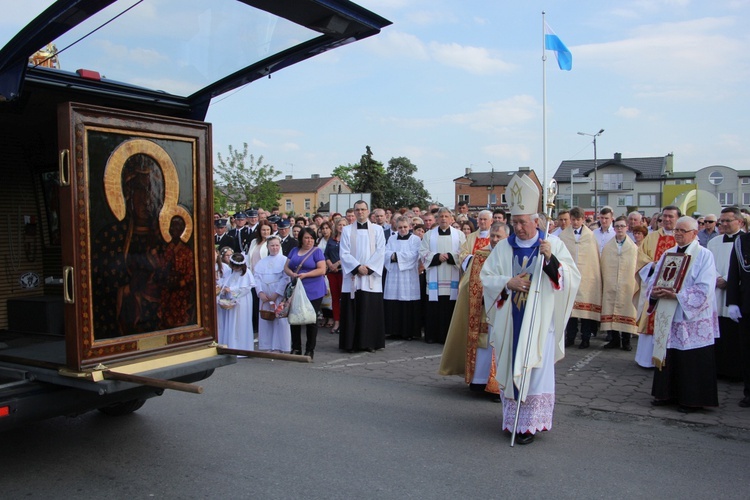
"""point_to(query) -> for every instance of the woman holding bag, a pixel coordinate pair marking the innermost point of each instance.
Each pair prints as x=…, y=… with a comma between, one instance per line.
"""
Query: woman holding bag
x=308, y=265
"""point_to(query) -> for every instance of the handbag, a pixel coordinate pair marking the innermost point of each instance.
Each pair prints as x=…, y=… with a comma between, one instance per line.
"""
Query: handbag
x=301, y=310
x=282, y=309
x=327, y=302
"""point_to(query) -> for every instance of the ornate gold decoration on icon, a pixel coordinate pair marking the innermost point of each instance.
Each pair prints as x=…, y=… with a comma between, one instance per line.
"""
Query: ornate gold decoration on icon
x=116, y=198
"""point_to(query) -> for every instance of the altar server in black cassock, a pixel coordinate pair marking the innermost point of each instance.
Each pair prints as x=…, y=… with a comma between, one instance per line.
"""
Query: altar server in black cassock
x=362, y=250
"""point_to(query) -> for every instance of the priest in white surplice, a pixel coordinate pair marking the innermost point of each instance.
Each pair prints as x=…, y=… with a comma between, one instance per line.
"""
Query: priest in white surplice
x=362, y=250
x=401, y=297
x=510, y=276
x=439, y=252
x=685, y=325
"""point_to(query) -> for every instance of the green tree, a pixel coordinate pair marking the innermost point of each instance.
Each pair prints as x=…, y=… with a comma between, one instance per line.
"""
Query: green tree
x=403, y=189
x=345, y=173
x=370, y=177
x=245, y=181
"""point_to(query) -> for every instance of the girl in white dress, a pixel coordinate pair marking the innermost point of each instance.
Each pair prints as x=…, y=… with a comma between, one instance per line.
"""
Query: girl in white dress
x=236, y=330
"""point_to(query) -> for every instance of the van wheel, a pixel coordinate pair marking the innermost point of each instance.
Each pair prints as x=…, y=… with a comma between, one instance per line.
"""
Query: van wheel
x=123, y=408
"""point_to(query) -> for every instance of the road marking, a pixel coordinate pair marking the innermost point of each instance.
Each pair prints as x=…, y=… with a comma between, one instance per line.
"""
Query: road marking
x=585, y=361
x=333, y=363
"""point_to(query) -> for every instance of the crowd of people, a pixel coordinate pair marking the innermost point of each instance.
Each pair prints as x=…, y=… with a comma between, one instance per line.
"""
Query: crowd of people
x=679, y=284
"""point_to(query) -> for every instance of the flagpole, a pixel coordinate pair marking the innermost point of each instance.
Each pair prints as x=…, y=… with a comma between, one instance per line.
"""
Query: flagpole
x=539, y=269
x=544, y=116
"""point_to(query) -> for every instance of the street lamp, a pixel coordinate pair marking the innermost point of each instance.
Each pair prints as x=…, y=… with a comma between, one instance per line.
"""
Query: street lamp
x=573, y=171
x=596, y=183
x=491, y=186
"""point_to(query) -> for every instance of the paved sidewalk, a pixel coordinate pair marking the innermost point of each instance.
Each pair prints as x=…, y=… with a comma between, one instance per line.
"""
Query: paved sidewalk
x=593, y=378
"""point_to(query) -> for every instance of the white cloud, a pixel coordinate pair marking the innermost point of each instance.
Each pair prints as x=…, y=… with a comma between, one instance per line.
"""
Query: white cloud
x=397, y=44
x=489, y=118
x=674, y=60
x=431, y=17
x=290, y=146
x=476, y=60
x=257, y=143
x=628, y=112
x=136, y=55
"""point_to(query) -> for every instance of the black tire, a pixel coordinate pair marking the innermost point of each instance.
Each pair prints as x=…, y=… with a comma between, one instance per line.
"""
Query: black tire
x=123, y=408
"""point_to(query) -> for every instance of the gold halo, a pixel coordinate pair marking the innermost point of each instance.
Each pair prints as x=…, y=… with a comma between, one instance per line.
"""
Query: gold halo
x=165, y=218
x=113, y=178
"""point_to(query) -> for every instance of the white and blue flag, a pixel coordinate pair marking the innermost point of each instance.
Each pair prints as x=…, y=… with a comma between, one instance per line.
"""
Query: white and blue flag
x=553, y=42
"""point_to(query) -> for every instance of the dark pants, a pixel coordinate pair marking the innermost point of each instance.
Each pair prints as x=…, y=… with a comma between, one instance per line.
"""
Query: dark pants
x=745, y=346
x=256, y=306
x=687, y=378
x=589, y=327
x=311, y=331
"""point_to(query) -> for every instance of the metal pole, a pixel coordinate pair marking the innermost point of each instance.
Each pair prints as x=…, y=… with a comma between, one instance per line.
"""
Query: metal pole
x=544, y=118
x=596, y=183
x=596, y=180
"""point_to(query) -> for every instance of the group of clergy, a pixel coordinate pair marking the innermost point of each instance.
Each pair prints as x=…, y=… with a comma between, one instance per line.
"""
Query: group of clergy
x=670, y=290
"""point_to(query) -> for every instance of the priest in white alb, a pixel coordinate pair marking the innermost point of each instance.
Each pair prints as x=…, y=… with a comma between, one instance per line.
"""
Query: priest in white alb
x=520, y=325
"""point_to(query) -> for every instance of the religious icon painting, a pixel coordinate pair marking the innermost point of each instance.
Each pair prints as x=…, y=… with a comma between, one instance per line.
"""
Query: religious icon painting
x=138, y=198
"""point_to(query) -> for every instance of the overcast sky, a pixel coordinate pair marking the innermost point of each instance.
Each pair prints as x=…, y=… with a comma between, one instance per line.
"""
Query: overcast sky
x=457, y=84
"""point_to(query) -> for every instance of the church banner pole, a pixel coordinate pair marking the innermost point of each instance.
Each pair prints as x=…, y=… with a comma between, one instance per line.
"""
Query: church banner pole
x=544, y=113
x=550, y=194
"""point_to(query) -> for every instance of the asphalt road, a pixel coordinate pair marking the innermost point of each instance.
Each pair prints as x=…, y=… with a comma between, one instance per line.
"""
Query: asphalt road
x=380, y=425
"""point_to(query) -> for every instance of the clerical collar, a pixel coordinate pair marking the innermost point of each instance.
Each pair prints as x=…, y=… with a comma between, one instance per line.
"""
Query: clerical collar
x=447, y=232
x=484, y=234
x=729, y=238
x=361, y=225
x=404, y=237
x=668, y=232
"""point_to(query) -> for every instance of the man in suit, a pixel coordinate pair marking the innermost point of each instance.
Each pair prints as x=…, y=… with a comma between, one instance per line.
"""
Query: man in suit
x=252, y=223
x=738, y=303
x=287, y=242
x=463, y=209
x=240, y=231
x=222, y=238
x=380, y=220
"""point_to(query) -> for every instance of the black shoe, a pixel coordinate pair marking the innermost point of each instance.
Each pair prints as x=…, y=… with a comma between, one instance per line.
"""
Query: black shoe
x=495, y=398
x=524, y=438
x=584, y=344
x=612, y=344
x=393, y=337
x=626, y=347
x=370, y=349
x=745, y=403
x=310, y=353
x=296, y=352
x=477, y=387
x=570, y=342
